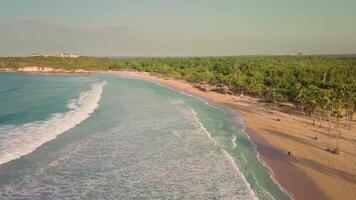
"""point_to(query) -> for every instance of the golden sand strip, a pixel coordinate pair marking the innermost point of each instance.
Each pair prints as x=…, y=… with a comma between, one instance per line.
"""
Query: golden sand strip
x=310, y=172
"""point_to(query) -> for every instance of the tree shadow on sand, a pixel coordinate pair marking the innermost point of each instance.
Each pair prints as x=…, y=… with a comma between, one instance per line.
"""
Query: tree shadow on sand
x=331, y=135
x=312, y=143
x=256, y=111
x=306, y=162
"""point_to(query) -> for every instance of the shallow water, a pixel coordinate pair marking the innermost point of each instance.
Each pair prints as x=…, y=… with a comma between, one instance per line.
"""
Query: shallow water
x=108, y=137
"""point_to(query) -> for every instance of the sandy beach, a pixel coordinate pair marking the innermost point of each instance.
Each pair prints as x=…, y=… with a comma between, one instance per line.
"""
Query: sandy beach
x=123, y=99
x=310, y=172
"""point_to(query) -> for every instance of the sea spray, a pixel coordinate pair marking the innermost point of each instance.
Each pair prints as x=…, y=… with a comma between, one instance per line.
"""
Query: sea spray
x=22, y=140
x=192, y=115
x=147, y=142
x=239, y=120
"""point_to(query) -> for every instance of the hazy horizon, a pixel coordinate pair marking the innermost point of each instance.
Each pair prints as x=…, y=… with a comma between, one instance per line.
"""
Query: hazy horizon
x=177, y=28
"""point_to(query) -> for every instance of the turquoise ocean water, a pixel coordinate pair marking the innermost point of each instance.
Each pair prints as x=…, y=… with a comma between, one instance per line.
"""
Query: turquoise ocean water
x=108, y=137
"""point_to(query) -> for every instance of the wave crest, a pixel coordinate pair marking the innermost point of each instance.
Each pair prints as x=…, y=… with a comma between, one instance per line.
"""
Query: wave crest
x=191, y=115
x=17, y=141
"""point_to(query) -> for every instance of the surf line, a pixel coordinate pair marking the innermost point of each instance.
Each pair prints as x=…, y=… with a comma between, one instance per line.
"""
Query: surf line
x=22, y=140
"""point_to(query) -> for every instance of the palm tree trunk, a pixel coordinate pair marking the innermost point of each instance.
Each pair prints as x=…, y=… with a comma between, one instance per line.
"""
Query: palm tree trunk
x=329, y=117
x=318, y=127
x=350, y=119
x=317, y=135
x=331, y=109
x=320, y=119
x=338, y=135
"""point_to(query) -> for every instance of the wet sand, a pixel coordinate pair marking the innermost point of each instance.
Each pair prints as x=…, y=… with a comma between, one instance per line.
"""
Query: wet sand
x=288, y=175
x=310, y=172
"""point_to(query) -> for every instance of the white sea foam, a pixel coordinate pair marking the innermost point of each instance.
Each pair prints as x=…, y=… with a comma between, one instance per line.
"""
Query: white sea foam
x=226, y=154
x=17, y=141
x=191, y=114
x=177, y=102
x=241, y=121
x=233, y=141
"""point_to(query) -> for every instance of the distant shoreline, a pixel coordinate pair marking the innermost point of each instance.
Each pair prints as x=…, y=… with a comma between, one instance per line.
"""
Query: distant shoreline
x=36, y=69
x=274, y=138
x=292, y=179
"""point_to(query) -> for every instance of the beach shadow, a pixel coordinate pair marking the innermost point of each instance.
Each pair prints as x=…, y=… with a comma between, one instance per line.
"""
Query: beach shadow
x=272, y=153
x=351, y=154
x=282, y=156
x=325, y=169
x=311, y=143
x=241, y=108
x=331, y=136
x=253, y=110
x=286, y=168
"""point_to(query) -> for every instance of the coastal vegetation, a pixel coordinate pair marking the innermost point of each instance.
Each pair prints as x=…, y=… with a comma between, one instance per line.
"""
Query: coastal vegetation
x=322, y=87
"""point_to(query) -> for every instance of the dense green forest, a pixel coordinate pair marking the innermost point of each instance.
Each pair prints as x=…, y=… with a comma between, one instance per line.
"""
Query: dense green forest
x=324, y=84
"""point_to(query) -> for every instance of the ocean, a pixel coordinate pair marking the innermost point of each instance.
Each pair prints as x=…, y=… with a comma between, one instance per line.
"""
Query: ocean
x=102, y=136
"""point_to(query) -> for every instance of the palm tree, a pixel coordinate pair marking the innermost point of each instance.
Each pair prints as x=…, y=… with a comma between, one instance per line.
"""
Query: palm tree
x=349, y=105
x=331, y=106
x=314, y=105
x=339, y=102
x=324, y=104
x=313, y=100
x=302, y=97
x=338, y=116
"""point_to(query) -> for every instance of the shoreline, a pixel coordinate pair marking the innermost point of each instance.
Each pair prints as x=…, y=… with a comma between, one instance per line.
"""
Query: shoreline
x=282, y=173
x=309, y=173
x=288, y=177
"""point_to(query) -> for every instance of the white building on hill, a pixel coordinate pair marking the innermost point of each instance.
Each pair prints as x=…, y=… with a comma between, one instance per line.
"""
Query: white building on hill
x=59, y=54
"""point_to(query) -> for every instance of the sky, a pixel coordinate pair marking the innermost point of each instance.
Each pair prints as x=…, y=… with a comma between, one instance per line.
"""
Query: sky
x=177, y=27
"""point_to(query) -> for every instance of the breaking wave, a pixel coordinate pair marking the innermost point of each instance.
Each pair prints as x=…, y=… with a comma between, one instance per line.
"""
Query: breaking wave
x=17, y=141
x=191, y=114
